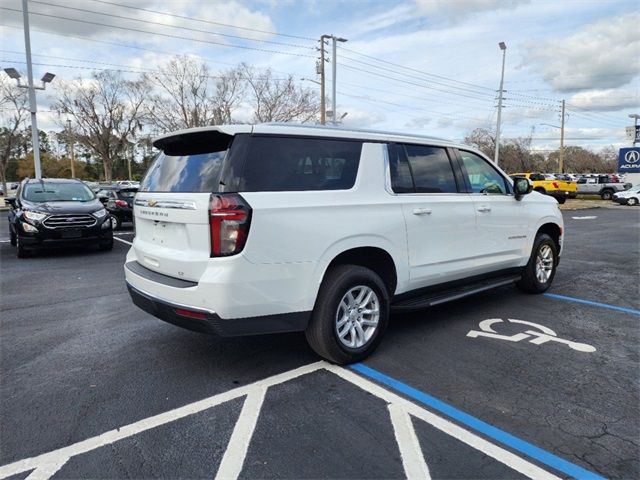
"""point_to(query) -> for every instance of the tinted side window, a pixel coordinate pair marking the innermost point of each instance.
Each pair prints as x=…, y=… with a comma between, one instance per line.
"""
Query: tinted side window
x=431, y=169
x=275, y=164
x=401, y=180
x=482, y=177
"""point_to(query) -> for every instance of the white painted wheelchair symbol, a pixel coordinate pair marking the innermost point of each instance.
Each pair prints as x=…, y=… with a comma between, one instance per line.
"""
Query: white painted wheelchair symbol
x=544, y=334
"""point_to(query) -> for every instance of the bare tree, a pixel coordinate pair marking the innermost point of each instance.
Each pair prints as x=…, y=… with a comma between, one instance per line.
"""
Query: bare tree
x=279, y=100
x=483, y=139
x=107, y=111
x=189, y=96
x=14, y=110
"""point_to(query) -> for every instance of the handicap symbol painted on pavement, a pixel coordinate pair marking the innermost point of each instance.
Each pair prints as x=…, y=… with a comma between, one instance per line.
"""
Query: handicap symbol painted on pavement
x=539, y=336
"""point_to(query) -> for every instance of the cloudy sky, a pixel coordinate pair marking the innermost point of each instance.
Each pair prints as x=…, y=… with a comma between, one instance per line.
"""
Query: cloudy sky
x=428, y=66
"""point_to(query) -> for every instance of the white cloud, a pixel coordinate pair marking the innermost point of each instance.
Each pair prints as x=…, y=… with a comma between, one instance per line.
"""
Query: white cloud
x=602, y=55
x=357, y=118
x=606, y=99
x=464, y=8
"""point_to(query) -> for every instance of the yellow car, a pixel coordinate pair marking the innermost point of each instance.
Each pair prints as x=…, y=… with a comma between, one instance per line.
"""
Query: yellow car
x=558, y=189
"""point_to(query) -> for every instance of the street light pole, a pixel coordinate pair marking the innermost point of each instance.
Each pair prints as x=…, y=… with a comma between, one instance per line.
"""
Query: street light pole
x=333, y=74
x=503, y=47
x=561, y=162
x=323, y=102
x=35, y=138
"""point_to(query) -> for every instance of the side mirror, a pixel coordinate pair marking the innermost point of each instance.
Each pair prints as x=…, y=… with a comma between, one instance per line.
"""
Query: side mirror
x=103, y=200
x=521, y=187
x=11, y=201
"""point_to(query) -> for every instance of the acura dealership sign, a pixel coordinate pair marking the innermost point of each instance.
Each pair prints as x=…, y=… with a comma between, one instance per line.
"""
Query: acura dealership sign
x=629, y=160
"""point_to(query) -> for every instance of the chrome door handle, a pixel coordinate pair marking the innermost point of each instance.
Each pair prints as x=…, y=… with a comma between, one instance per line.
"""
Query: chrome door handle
x=422, y=211
x=484, y=208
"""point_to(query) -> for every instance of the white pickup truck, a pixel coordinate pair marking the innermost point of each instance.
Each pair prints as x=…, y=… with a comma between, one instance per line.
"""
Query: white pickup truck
x=246, y=230
x=600, y=185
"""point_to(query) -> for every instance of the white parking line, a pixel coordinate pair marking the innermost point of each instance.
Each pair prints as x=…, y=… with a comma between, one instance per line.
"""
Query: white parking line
x=123, y=241
x=233, y=459
x=48, y=463
x=107, y=438
x=415, y=468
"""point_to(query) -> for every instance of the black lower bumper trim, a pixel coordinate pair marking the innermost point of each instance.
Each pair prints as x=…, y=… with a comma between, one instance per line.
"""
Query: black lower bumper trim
x=213, y=324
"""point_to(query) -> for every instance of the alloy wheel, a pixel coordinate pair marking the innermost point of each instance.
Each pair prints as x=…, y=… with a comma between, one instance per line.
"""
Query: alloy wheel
x=544, y=264
x=357, y=316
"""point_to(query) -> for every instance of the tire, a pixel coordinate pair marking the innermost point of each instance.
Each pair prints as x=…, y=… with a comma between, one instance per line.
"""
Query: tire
x=346, y=283
x=21, y=252
x=606, y=195
x=116, y=223
x=631, y=201
x=12, y=238
x=561, y=200
x=105, y=247
x=541, y=190
x=545, y=248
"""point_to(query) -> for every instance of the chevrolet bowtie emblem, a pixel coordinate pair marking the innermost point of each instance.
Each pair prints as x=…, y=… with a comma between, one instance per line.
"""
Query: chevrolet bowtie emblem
x=152, y=202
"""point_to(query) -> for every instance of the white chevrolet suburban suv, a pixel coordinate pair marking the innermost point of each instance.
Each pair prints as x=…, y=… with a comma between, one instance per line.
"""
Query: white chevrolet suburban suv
x=244, y=230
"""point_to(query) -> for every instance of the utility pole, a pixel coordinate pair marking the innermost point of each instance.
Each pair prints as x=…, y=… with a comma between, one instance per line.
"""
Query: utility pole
x=70, y=142
x=35, y=138
x=323, y=102
x=503, y=47
x=561, y=162
x=333, y=74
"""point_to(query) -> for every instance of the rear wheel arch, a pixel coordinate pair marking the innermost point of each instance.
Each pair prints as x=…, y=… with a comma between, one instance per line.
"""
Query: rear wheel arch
x=375, y=259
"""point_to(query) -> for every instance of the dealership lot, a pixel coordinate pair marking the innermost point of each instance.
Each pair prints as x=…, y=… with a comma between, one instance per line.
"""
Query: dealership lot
x=501, y=385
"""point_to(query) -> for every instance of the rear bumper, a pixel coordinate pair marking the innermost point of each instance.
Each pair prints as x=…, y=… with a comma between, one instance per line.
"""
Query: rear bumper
x=621, y=201
x=562, y=194
x=212, y=323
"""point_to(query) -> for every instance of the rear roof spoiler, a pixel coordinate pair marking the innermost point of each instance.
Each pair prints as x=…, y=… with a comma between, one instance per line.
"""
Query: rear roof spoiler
x=195, y=141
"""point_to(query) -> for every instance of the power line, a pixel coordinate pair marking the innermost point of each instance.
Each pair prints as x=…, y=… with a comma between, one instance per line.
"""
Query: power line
x=116, y=44
x=405, y=108
x=123, y=45
x=419, y=71
x=168, y=35
x=416, y=97
x=121, y=68
x=409, y=82
x=150, y=22
x=380, y=75
x=183, y=17
x=465, y=89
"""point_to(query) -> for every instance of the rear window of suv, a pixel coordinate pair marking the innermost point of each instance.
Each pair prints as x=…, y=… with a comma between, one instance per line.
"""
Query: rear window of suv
x=275, y=164
x=254, y=163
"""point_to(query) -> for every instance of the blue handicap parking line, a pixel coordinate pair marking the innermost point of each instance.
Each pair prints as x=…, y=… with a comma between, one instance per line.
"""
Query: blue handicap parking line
x=591, y=302
x=514, y=443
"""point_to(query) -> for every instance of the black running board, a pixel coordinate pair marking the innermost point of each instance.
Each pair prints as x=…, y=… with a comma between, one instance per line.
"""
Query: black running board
x=443, y=296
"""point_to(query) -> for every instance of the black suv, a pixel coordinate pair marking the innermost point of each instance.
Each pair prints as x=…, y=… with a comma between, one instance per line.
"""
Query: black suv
x=119, y=202
x=56, y=212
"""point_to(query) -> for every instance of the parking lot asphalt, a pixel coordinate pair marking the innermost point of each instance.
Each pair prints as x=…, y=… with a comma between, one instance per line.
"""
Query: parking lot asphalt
x=91, y=386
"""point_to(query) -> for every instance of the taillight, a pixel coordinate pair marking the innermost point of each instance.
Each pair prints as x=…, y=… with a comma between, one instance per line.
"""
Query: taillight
x=121, y=203
x=191, y=314
x=229, y=220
